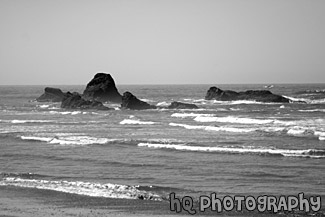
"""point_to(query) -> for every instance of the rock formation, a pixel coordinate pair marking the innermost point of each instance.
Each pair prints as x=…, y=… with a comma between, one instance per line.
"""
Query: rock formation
x=75, y=101
x=257, y=95
x=131, y=102
x=180, y=105
x=102, y=88
x=51, y=95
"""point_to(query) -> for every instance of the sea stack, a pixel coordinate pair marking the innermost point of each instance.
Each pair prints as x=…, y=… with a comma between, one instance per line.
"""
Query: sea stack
x=75, y=101
x=256, y=95
x=130, y=101
x=102, y=88
x=51, y=95
x=181, y=105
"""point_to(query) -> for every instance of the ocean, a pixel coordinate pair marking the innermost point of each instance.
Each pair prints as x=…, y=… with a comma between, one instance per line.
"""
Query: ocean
x=230, y=148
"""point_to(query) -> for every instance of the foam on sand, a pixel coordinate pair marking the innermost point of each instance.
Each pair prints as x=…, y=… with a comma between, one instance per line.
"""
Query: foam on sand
x=82, y=188
x=312, y=153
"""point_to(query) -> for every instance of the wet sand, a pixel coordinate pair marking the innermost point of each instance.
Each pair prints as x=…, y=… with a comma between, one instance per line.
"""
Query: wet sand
x=24, y=202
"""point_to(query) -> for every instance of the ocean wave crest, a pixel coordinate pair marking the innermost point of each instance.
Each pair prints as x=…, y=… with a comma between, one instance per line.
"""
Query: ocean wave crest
x=68, y=140
x=136, y=122
x=311, y=153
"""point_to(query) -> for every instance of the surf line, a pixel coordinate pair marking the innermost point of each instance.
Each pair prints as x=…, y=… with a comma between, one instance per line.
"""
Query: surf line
x=260, y=203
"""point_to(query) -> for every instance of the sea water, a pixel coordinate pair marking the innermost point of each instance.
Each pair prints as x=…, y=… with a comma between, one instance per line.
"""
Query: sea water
x=226, y=147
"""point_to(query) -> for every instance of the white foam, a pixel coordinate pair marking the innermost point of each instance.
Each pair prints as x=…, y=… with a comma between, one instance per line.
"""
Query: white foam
x=163, y=103
x=215, y=128
x=313, y=110
x=132, y=121
x=44, y=106
x=238, y=150
x=30, y=121
x=184, y=115
x=82, y=188
x=232, y=119
x=68, y=140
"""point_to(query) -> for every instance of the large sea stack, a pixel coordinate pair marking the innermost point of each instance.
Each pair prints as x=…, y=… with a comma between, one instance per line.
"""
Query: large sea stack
x=51, y=95
x=75, y=101
x=257, y=95
x=130, y=101
x=102, y=88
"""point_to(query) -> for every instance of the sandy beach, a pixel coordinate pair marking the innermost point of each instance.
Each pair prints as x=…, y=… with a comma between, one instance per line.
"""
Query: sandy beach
x=30, y=202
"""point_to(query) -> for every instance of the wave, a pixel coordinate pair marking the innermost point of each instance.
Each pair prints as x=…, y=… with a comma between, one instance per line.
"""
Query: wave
x=136, y=122
x=311, y=153
x=184, y=115
x=83, y=188
x=312, y=110
x=309, y=101
x=232, y=119
x=214, y=128
x=69, y=140
x=291, y=130
x=317, y=91
x=30, y=121
x=72, y=112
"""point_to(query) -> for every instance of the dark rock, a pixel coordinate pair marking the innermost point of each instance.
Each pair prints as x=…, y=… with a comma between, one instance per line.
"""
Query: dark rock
x=51, y=95
x=180, y=105
x=75, y=101
x=257, y=95
x=102, y=88
x=131, y=102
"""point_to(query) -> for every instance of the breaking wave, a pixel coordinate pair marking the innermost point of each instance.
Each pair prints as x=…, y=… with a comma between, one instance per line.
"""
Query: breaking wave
x=311, y=153
x=68, y=140
x=184, y=115
x=83, y=188
x=136, y=122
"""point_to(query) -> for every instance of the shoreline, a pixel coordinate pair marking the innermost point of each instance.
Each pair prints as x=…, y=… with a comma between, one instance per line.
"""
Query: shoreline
x=22, y=202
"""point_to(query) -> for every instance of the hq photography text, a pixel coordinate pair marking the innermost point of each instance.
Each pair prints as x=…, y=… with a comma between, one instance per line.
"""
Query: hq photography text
x=262, y=203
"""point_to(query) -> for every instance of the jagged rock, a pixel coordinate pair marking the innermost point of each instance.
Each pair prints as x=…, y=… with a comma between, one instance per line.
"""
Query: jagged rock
x=51, y=95
x=102, y=88
x=75, y=101
x=257, y=95
x=132, y=102
x=181, y=105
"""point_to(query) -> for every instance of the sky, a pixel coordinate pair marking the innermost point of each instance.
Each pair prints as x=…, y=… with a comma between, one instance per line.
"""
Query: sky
x=162, y=41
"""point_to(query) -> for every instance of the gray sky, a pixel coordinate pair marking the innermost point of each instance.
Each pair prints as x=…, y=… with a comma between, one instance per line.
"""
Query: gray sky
x=162, y=41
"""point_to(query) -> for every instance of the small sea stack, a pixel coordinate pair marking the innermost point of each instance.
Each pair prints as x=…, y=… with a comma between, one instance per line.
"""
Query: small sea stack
x=102, y=88
x=51, y=95
x=75, y=101
x=256, y=95
x=181, y=105
x=129, y=101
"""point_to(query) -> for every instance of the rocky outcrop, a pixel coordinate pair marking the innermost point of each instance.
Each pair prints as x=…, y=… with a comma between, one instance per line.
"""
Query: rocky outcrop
x=257, y=95
x=75, y=101
x=102, y=88
x=181, y=105
x=51, y=95
x=130, y=101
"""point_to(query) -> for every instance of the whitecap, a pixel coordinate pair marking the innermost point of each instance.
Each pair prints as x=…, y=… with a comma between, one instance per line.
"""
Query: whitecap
x=232, y=119
x=313, y=153
x=215, y=128
x=132, y=121
x=184, y=115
